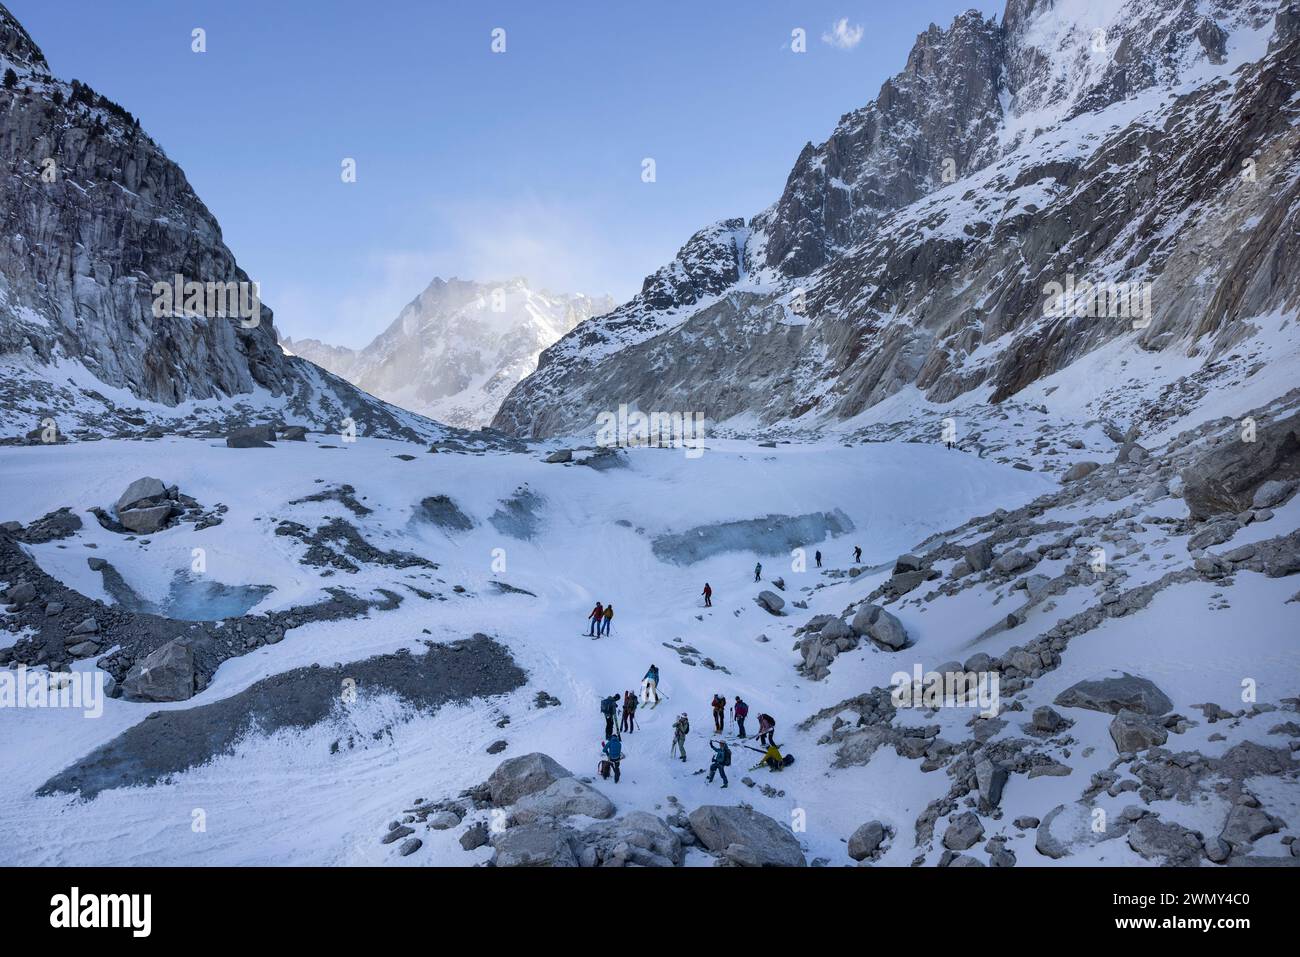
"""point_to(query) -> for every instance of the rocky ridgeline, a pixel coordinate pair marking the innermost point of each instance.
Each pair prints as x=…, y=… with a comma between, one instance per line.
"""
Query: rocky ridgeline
x=1227, y=484
x=524, y=811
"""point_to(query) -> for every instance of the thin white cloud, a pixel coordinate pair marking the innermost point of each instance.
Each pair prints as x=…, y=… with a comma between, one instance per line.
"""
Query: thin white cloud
x=842, y=36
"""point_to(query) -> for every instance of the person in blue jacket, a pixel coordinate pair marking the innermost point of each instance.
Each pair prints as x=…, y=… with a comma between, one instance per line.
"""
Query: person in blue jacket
x=613, y=752
x=650, y=686
x=721, y=758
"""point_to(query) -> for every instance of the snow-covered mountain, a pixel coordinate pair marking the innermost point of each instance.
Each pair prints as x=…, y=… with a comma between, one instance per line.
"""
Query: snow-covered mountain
x=360, y=653
x=1145, y=142
x=94, y=214
x=457, y=349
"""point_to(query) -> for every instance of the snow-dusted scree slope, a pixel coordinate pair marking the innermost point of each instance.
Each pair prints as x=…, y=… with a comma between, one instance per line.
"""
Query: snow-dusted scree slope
x=321, y=651
x=457, y=349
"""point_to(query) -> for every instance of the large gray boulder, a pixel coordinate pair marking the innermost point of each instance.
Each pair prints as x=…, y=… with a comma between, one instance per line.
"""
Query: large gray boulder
x=718, y=827
x=1246, y=824
x=1133, y=732
x=527, y=774
x=1079, y=470
x=770, y=602
x=563, y=798
x=979, y=556
x=964, y=830
x=251, y=437
x=543, y=844
x=145, y=490
x=1226, y=478
x=866, y=840
x=638, y=838
x=145, y=521
x=1113, y=695
x=881, y=627
x=165, y=674
x=1068, y=827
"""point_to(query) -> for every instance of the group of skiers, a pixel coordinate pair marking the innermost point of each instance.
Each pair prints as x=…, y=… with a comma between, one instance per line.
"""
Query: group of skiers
x=758, y=573
x=611, y=748
x=600, y=618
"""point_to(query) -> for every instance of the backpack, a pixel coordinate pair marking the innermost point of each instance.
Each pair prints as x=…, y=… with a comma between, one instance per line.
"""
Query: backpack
x=684, y=726
x=607, y=706
x=726, y=755
x=767, y=719
x=614, y=749
x=719, y=702
x=742, y=710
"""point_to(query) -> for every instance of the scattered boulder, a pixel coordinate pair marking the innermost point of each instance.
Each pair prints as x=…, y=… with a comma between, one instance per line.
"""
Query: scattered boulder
x=1012, y=561
x=543, y=844
x=474, y=837
x=1133, y=732
x=963, y=831
x=770, y=602
x=718, y=827
x=559, y=456
x=1246, y=824
x=1048, y=720
x=1272, y=494
x=294, y=433
x=1225, y=478
x=1113, y=695
x=145, y=490
x=880, y=626
x=145, y=521
x=1079, y=470
x=866, y=840
x=527, y=774
x=166, y=674
x=638, y=838
x=564, y=797
x=251, y=437
x=979, y=556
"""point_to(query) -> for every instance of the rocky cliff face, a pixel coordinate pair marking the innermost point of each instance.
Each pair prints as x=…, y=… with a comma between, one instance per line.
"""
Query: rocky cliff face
x=94, y=213
x=457, y=349
x=1147, y=142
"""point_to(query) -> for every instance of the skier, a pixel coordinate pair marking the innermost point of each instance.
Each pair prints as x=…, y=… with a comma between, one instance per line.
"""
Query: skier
x=596, y=615
x=740, y=711
x=758, y=571
x=681, y=728
x=719, y=707
x=708, y=596
x=650, y=686
x=818, y=556
x=857, y=554
x=721, y=758
x=608, y=707
x=612, y=749
x=766, y=729
x=609, y=616
x=629, y=712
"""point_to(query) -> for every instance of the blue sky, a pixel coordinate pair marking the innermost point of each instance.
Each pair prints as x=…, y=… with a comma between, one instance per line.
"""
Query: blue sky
x=471, y=163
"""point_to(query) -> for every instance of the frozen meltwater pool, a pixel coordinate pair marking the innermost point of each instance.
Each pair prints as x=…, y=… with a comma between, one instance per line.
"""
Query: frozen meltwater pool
x=190, y=598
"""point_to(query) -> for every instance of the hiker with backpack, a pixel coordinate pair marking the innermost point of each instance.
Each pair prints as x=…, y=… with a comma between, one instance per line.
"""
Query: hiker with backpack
x=719, y=712
x=857, y=554
x=650, y=686
x=818, y=555
x=609, y=707
x=758, y=571
x=708, y=596
x=597, y=616
x=721, y=760
x=609, y=616
x=681, y=728
x=612, y=749
x=766, y=729
x=629, y=712
x=740, y=711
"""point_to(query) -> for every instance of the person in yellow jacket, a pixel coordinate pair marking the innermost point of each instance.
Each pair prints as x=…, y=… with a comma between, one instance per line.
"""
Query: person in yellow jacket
x=609, y=616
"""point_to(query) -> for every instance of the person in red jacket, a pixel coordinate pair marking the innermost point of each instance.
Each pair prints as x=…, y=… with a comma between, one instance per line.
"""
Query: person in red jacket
x=597, y=616
x=708, y=596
